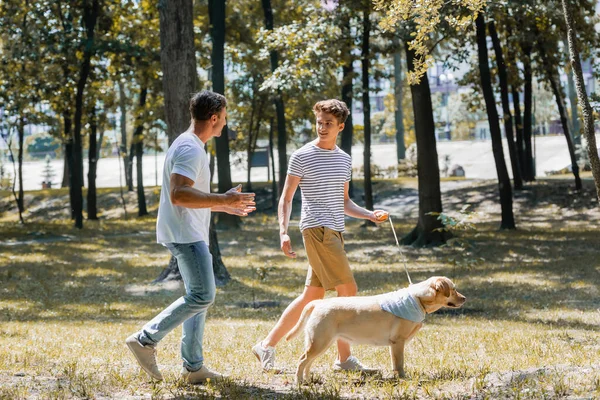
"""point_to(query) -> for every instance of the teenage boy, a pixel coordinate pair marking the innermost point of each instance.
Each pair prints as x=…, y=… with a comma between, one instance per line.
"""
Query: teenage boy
x=182, y=226
x=323, y=172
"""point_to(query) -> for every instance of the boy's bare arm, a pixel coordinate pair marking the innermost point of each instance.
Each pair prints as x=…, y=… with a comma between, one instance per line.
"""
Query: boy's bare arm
x=351, y=209
x=284, y=211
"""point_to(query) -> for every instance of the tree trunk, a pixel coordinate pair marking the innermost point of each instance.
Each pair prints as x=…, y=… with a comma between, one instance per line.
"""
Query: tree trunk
x=564, y=121
x=529, y=163
x=347, y=95
x=123, y=126
x=65, y=179
x=279, y=106
x=508, y=121
x=272, y=156
x=520, y=142
x=178, y=63
x=138, y=143
x=365, y=60
x=221, y=274
x=398, y=94
x=21, y=133
x=572, y=92
x=90, y=15
x=508, y=220
x=69, y=161
x=588, y=116
x=429, y=230
x=217, y=32
x=92, y=210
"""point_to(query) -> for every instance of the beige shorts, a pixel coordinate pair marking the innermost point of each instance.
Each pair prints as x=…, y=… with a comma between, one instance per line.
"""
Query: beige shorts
x=328, y=264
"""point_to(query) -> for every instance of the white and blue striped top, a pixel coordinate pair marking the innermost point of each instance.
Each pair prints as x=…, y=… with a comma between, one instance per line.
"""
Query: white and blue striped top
x=323, y=174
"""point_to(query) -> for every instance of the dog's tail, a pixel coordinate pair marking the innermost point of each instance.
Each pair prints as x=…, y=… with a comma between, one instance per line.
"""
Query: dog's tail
x=302, y=321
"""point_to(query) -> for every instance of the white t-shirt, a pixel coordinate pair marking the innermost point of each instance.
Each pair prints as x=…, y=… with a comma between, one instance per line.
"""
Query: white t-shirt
x=323, y=175
x=176, y=224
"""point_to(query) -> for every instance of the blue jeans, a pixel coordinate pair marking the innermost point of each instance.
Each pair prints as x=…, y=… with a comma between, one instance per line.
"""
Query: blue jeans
x=195, y=264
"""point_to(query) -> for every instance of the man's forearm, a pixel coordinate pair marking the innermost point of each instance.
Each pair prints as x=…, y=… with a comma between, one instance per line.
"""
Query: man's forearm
x=189, y=197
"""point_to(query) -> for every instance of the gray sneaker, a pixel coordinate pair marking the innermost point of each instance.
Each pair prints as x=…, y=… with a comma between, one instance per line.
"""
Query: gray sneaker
x=351, y=364
x=266, y=357
x=203, y=375
x=145, y=355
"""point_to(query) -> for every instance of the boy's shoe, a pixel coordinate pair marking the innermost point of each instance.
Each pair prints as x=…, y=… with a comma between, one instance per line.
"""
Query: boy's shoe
x=266, y=357
x=145, y=355
x=203, y=375
x=351, y=364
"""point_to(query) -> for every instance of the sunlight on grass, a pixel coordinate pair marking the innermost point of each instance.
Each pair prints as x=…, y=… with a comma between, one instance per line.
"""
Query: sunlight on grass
x=529, y=329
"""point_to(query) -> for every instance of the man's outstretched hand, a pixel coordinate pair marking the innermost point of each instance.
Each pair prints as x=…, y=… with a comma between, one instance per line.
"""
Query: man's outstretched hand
x=238, y=202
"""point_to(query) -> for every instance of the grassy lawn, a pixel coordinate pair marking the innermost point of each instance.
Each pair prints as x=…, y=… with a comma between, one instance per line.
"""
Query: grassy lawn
x=530, y=328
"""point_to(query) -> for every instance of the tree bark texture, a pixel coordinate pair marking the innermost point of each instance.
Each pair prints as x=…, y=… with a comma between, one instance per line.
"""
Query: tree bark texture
x=587, y=113
x=138, y=143
x=216, y=9
x=529, y=162
x=508, y=220
x=123, y=127
x=92, y=209
x=21, y=134
x=562, y=111
x=90, y=15
x=398, y=94
x=347, y=95
x=279, y=106
x=508, y=121
x=365, y=61
x=178, y=63
x=429, y=230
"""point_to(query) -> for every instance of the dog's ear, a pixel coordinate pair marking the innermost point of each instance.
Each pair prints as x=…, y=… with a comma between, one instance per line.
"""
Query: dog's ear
x=442, y=286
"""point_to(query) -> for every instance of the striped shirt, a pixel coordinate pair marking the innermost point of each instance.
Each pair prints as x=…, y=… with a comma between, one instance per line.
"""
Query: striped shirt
x=323, y=174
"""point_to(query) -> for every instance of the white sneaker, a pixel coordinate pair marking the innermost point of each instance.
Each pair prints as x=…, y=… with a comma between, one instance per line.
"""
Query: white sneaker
x=266, y=357
x=203, y=375
x=145, y=355
x=351, y=364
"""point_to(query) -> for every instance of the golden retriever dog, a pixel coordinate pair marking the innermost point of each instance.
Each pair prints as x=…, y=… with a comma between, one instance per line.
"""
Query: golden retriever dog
x=389, y=319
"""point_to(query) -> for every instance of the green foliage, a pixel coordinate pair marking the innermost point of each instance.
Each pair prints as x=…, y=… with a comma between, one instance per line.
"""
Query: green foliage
x=42, y=145
x=467, y=251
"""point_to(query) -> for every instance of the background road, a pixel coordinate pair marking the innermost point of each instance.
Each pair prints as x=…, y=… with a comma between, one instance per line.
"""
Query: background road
x=474, y=156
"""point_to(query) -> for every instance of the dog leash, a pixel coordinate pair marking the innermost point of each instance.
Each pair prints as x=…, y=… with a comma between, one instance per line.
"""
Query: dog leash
x=401, y=253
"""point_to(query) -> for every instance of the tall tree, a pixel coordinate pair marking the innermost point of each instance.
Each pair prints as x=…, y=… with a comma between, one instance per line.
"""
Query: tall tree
x=217, y=31
x=138, y=143
x=508, y=121
x=588, y=116
x=554, y=81
x=508, y=221
x=429, y=230
x=178, y=61
x=177, y=54
x=398, y=96
x=528, y=162
x=278, y=100
x=347, y=83
x=366, y=96
x=91, y=12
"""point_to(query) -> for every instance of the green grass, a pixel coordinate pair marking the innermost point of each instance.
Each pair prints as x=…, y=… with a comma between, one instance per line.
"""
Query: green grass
x=529, y=329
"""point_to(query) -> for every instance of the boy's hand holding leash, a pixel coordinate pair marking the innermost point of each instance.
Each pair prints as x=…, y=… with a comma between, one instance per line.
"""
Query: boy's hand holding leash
x=379, y=216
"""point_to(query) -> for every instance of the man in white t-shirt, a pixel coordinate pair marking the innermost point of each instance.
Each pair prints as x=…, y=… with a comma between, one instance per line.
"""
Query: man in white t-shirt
x=323, y=172
x=182, y=226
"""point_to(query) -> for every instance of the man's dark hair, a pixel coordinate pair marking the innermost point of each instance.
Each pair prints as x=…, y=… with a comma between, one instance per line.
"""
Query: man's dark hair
x=335, y=107
x=205, y=104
